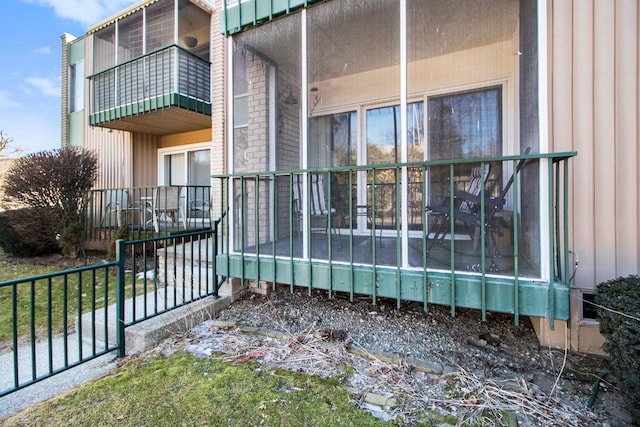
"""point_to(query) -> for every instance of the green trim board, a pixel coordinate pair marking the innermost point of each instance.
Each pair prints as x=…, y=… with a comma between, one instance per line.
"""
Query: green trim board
x=76, y=50
x=248, y=13
x=532, y=295
x=149, y=105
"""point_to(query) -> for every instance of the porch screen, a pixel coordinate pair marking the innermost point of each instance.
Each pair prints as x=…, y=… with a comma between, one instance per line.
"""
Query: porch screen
x=266, y=130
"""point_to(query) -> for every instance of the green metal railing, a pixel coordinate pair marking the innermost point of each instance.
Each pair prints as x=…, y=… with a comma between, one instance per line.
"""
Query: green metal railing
x=389, y=250
x=147, y=211
x=57, y=321
x=170, y=76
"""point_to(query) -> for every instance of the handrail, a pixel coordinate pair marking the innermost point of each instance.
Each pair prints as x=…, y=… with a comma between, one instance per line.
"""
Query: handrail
x=137, y=58
x=427, y=163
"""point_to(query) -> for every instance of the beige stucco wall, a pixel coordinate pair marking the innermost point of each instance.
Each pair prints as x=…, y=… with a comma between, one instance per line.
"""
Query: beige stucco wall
x=594, y=51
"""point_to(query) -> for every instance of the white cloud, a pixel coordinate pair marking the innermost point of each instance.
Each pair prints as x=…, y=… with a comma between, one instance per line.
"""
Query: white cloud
x=87, y=12
x=7, y=102
x=44, y=50
x=45, y=86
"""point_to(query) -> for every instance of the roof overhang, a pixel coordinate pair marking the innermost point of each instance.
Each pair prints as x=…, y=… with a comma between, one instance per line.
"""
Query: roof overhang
x=248, y=13
x=205, y=5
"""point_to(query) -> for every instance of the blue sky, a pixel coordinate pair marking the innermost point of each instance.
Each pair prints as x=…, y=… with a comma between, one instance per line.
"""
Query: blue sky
x=30, y=31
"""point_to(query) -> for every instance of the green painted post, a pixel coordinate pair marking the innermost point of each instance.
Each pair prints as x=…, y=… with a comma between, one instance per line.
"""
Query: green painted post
x=351, y=218
x=307, y=180
x=215, y=260
x=330, y=236
x=550, y=216
x=291, y=263
x=256, y=222
x=425, y=236
x=32, y=327
x=483, y=247
x=452, y=254
x=516, y=273
x=373, y=235
x=120, y=283
x=14, y=332
x=274, y=189
x=398, y=235
x=567, y=273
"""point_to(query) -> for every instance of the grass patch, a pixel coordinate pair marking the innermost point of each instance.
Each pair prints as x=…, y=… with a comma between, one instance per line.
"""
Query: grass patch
x=184, y=390
x=63, y=296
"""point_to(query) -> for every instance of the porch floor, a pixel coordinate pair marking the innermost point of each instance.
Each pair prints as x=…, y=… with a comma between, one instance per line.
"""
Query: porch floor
x=466, y=257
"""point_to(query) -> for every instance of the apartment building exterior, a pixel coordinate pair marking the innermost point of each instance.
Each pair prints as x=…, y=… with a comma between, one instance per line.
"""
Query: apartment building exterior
x=383, y=110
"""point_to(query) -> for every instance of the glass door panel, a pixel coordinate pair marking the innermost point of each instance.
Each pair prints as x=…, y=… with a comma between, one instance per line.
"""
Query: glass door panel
x=383, y=136
x=199, y=170
x=461, y=126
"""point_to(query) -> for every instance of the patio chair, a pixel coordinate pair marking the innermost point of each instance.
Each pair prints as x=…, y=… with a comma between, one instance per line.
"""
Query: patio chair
x=166, y=207
x=466, y=203
x=199, y=209
x=319, y=220
x=118, y=203
x=467, y=210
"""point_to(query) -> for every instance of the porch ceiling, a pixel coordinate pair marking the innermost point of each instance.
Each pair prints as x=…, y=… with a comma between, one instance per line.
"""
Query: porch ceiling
x=166, y=121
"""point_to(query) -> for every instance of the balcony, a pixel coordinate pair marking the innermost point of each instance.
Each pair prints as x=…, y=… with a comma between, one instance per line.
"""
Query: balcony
x=163, y=92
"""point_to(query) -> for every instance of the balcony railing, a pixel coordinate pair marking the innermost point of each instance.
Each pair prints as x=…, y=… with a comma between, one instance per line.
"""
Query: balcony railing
x=378, y=237
x=147, y=211
x=171, y=76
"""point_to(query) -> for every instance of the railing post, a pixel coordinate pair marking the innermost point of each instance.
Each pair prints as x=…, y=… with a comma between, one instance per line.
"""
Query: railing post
x=215, y=252
x=120, y=282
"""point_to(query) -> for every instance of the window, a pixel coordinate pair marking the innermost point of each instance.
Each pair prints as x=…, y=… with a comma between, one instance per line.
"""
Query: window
x=240, y=110
x=464, y=125
x=76, y=87
x=187, y=166
x=383, y=134
x=588, y=309
x=332, y=140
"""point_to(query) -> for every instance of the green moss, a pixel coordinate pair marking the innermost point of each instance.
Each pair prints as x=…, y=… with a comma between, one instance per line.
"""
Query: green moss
x=185, y=390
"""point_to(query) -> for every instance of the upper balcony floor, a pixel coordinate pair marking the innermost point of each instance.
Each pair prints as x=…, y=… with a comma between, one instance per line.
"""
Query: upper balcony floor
x=150, y=69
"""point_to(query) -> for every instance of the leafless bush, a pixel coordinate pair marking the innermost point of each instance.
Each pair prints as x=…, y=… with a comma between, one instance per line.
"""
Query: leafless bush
x=52, y=182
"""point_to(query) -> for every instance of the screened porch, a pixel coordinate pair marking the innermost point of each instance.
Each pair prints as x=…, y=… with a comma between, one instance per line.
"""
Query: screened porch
x=151, y=70
x=395, y=148
x=429, y=252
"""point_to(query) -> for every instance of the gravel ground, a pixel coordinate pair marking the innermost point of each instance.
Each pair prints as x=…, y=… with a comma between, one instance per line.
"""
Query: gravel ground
x=494, y=350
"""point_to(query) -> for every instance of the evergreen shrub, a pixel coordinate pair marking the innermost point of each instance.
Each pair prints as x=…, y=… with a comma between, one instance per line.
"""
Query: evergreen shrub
x=622, y=333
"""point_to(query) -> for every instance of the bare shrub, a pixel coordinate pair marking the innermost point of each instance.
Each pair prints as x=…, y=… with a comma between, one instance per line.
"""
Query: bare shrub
x=54, y=185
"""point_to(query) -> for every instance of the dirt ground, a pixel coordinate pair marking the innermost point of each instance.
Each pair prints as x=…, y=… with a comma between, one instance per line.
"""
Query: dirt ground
x=492, y=349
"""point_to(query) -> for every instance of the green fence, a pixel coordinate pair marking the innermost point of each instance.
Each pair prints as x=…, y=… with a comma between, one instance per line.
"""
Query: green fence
x=57, y=321
x=147, y=211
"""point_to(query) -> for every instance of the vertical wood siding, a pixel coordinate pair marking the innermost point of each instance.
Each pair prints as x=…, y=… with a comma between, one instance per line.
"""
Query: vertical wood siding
x=594, y=72
x=114, y=149
x=145, y=159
